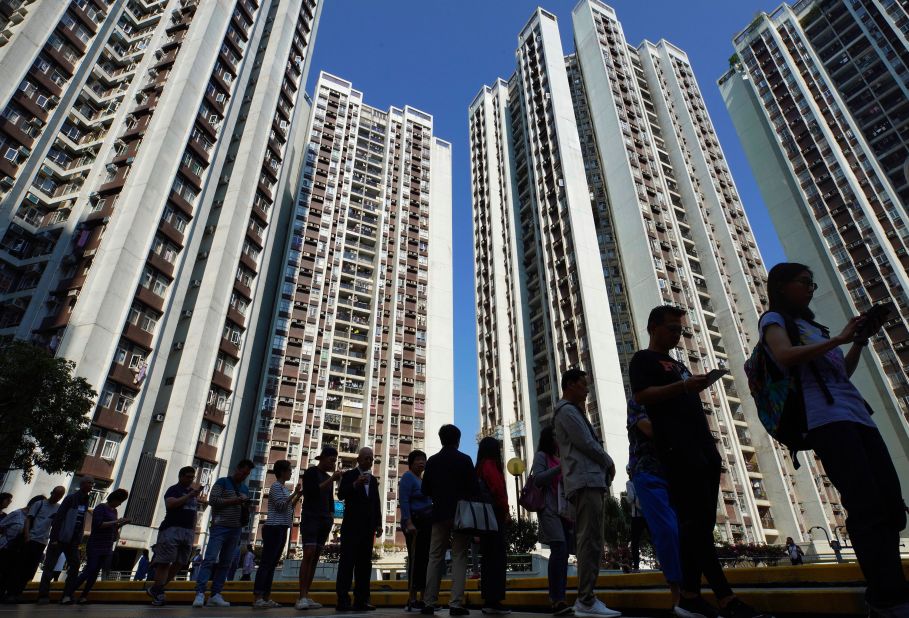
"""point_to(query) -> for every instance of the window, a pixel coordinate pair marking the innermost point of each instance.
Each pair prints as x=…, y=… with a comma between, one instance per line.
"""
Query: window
x=110, y=447
x=92, y=445
x=123, y=404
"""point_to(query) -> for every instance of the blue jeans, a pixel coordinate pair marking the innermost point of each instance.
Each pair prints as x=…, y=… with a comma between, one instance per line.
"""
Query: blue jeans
x=222, y=544
x=653, y=493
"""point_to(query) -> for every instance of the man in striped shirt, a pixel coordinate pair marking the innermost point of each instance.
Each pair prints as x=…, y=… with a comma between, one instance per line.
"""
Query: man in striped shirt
x=229, y=502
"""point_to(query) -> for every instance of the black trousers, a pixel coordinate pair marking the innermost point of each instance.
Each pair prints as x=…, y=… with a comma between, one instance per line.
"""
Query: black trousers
x=31, y=558
x=355, y=565
x=418, y=555
x=859, y=466
x=274, y=538
x=73, y=561
x=638, y=525
x=493, y=564
x=693, y=493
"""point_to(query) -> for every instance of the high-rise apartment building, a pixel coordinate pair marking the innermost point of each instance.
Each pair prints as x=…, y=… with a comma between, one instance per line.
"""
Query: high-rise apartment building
x=819, y=95
x=360, y=352
x=600, y=191
x=150, y=153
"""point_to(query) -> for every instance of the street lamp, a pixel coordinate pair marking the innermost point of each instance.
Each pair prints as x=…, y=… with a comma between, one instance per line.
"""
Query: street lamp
x=834, y=545
x=516, y=468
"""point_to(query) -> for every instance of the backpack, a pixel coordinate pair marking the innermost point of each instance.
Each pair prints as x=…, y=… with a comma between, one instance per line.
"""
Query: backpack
x=778, y=396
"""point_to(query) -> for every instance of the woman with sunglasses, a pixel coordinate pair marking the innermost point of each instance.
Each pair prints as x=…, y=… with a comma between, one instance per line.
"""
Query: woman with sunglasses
x=840, y=429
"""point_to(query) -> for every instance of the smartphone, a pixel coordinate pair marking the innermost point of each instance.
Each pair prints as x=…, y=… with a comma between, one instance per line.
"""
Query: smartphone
x=874, y=318
x=715, y=374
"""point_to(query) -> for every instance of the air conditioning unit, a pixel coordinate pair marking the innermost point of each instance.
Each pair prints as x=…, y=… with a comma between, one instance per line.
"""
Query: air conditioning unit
x=231, y=157
x=196, y=283
x=178, y=345
x=187, y=314
x=159, y=417
x=202, y=255
x=210, y=229
x=217, y=204
x=111, y=168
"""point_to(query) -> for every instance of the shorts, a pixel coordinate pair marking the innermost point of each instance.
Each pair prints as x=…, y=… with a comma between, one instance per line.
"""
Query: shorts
x=174, y=546
x=315, y=530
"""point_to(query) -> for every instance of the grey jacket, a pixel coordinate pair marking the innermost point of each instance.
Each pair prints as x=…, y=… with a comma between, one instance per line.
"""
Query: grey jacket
x=551, y=530
x=585, y=463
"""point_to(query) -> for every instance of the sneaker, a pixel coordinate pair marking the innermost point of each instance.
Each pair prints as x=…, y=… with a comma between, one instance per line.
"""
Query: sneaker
x=738, y=609
x=694, y=608
x=82, y=601
x=159, y=601
x=217, y=600
x=314, y=604
x=561, y=609
x=363, y=607
x=597, y=610
x=429, y=610
x=302, y=603
x=66, y=601
x=900, y=610
x=414, y=606
x=496, y=609
x=261, y=604
x=454, y=610
x=272, y=604
x=199, y=601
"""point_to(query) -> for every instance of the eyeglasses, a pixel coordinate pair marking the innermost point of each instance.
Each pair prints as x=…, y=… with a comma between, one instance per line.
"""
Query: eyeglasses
x=808, y=283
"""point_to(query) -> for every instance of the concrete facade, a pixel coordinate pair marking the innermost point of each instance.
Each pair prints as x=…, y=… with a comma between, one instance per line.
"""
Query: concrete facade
x=656, y=219
x=361, y=348
x=137, y=226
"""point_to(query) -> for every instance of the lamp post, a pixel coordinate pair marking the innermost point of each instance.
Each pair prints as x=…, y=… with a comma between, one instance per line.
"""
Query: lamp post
x=516, y=467
x=834, y=544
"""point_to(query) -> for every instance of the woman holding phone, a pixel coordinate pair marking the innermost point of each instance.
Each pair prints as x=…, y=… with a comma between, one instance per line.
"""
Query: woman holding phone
x=840, y=428
x=106, y=526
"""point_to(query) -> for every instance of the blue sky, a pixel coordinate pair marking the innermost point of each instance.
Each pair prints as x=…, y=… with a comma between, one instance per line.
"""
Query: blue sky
x=435, y=55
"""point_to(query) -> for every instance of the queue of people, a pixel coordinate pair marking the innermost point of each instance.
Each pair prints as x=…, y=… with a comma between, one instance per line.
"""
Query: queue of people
x=674, y=473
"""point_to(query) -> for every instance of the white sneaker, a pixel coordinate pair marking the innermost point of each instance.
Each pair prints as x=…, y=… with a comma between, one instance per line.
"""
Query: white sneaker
x=217, y=600
x=261, y=604
x=306, y=603
x=199, y=601
x=596, y=610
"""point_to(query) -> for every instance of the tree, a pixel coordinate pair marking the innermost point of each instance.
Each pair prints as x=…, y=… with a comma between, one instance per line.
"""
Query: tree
x=43, y=411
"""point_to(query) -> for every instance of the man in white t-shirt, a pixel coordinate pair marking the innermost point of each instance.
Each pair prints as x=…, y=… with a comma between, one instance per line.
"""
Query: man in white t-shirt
x=38, y=520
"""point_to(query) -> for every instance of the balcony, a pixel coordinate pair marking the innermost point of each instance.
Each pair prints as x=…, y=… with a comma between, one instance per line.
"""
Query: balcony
x=99, y=468
x=111, y=419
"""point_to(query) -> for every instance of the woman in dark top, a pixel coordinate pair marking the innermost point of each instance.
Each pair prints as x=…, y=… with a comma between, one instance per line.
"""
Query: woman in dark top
x=416, y=523
x=106, y=525
x=840, y=429
x=492, y=546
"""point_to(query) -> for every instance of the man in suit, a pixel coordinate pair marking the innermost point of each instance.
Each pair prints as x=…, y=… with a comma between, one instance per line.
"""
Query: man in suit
x=448, y=478
x=362, y=523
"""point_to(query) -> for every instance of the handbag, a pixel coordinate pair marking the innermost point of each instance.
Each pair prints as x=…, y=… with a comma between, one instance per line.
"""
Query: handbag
x=475, y=518
x=532, y=497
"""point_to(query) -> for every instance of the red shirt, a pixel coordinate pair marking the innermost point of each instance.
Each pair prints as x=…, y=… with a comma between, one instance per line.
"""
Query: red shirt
x=490, y=473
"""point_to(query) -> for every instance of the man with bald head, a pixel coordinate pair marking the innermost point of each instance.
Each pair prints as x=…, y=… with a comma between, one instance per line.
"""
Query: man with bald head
x=362, y=523
x=66, y=531
x=36, y=534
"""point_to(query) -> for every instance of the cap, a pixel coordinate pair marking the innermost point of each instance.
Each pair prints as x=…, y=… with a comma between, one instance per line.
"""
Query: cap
x=327, y=451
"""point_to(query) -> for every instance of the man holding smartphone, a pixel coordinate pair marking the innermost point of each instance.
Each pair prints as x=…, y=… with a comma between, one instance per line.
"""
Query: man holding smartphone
x=229, y=500
x=688, y=454
x=174, y=545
